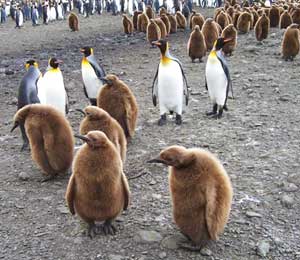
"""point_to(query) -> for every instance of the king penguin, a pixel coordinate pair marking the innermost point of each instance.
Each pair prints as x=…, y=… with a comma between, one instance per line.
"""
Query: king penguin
x=92, y=73
x=28, y=92
x=169, y=85
x=217, y=78
x=51, y=89
x=19, y=18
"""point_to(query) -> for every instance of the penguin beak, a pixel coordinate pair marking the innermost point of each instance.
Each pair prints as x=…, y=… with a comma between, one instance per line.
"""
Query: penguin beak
x=82, y=137
x=157, y=43
x=156, y=160
x=15, y=126
x=82, y=50
x=227, y=40
x=81, y=111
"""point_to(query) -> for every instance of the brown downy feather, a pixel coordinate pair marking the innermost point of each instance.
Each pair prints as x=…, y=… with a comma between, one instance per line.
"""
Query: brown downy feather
x=290, y=43
x=244, y=22
x=285, y=20
x=167, y=23
x=153, y=32
x=229, y=32
x=197, y=19
x=173, y=23
x=135, y=19
x=222, y=20
x=181, y=21
x=127, y=25
x=274, y=16
x=196, y=44
x=142, y=23
x=262, y=28
x=162, y=27
x=73, y=22
x=210, y=32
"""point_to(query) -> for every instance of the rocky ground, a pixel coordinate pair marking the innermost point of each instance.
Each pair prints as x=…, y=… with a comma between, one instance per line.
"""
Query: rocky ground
x=257, y=140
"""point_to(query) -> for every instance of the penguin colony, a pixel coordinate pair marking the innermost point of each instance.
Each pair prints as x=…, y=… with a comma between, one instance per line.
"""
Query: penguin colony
x=106, y=126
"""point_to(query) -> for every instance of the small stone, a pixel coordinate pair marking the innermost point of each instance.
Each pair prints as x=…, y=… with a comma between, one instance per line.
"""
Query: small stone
x=290, y=187
x=115, y=257
x=9, y=72
x=172, y=242
x=287, y=201
x=252, y=214
x=205, y=251
x=284, y=98
x=24, y=176
x=156, y=196
x=144, y=236
x=63, y=210
x=162, y=255
x=263, y=248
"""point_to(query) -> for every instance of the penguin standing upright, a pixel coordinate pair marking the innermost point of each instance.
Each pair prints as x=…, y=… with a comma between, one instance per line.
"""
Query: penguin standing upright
x=169, y=85
x=92, y=73
x=217, y=78
x=52, y=90
x=19, y=18
x=28, y=92
x=35, y=16
x=60, y=15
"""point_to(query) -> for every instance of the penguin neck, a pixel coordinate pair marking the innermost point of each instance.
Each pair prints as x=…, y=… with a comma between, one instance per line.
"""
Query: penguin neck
x=54, y=70
x=213, y=53
x=166, y=57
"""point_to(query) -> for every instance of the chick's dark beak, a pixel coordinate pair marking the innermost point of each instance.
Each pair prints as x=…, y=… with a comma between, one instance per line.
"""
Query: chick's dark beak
x=156, y=160
x=82, y=137
x=15, y=126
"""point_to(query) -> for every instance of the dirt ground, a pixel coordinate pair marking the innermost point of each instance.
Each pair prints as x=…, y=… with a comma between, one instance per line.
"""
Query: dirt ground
x=257, y=140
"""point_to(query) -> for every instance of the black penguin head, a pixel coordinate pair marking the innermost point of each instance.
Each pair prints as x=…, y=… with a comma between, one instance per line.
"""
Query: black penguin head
x=54, y=63
x=31, y=63
x=220, y=42
x=163, y=45
x=87, y=51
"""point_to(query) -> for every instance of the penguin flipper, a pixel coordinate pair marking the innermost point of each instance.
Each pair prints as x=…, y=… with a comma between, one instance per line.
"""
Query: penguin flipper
x=206, y=84
x=155, y=88
x=70, y=194
x=85, y=92
x=97, y=68
x=125, y=190
x=67, y=102
x=226, y=71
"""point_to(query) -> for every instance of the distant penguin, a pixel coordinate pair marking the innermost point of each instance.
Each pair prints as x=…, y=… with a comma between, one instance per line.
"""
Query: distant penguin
x=127, y=25
x=201, y=194
x=167, y=23
x=296, y=16
x=181, y=21
x=191, y=17
x=135, y=19
x=153, y=32
x=210, y=32
x=115, y=92
x=92, y=74
x=244, y=22
x=285, y=20
x=162, y=27
x=73, y=22
x=169, y=85
x=197, y=19
x=59, y=9
x=149, y=12
x=262, y=27
x=51, y=90
x=19, y=18
x=98, y=119
x=255, y=17
x=229, y=32
x=217, y=12
x=50, y=137
x=274, y=16
x=217, y=78
x=35, y=16
x=162, y=10
x=196, y=44
x=173, y=23
x=98, y=189
x=52, y=13
x=290, y=42
x=236, y=16
x=28, y=92
x=143, y=22
x=222, y=20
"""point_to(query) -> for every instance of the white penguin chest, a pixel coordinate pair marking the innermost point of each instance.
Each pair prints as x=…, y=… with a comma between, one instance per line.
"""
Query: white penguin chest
x=90, y=80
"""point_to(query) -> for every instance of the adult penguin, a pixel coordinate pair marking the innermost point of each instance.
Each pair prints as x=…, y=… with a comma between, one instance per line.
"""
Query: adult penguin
x=28, y=92
x=19, y=18
x=217, y=78
x=51, y=89
x=169, y=85
x=92, y=73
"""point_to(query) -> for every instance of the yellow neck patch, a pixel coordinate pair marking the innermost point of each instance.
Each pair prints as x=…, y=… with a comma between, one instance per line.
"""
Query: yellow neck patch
x=85, y=62
x=54, y=70
x=165, y=60
x=213, y=54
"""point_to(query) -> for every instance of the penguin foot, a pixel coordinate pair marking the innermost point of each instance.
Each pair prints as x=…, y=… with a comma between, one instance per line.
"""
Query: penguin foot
x=108, y=228
x=163, y=120
x=212, y=113
x=178, y=120
x=92, y=230
x=48, y=178
x=25, y=146
x=189, y=246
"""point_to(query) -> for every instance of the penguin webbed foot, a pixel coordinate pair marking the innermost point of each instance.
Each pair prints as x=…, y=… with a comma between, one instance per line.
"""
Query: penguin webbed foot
x=163, y=120
x=214, y=111
x=48, y=178
x=108, y=228
x=25, y=147
x=178, y=119
x=187, y=245
x=92, y=230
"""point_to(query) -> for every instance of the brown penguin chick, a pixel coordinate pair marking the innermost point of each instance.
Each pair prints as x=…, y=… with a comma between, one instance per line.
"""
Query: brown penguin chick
x=285, y=20
x=201, y=193
x=236, y=16
x=162, y=27
x=149, y=12
x=296, y=16
x=181, y=21
x=196, y=45
x=143, y=22
x=98, y=119
x=222, y=20
x=267, y=11
x=210, y=32
x=219, y=28
x=125, y=112
x=255, y=17
x=217, y=12
x=281, y=10
x=274, y=16
x=244, y=22
x=153, y=32
x=290, y=43
x=50, y=137
x=197, y=19
x=162, y=11
x=127, y=25
x=229, y=32
x=230, y=11
x=167, y=23
x=98, y=189
x=135, y=19
x=262, y=27
x=73, y=22
x=191, y=18
x=173, y=23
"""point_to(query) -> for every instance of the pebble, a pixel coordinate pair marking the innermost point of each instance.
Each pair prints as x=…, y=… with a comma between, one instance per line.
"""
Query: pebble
x=162, y=255
x=290, y=187
x=63, y=210
x=263, y=248
x=171, y=242
x=24, y=176
x=205, y=251
x=287, y=201
x=144, y=236
x=252, y=214
x=115, y=257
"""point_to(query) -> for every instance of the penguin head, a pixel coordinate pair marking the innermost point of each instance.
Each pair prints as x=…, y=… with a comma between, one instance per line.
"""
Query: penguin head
x=163, y=45
x=94, y=139
x=176, y=156
x=197, y=28
x=94, y=113
x=220, y=42
x=110, y=79
x=31, y=63
x=54, y=63
x=87, y=51
x=20, y=116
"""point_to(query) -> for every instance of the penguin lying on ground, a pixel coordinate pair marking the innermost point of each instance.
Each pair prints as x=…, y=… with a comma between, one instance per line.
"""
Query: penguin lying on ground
x=217, y=78
x=169, y=85
x=92, y=73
